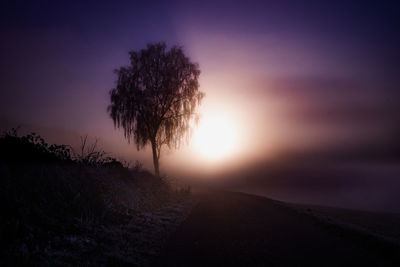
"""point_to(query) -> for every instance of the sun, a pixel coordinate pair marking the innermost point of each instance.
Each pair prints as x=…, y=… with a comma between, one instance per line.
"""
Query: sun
x=215, y=137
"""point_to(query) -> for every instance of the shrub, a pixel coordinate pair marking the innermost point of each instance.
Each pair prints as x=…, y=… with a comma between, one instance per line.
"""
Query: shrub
x=31, y=148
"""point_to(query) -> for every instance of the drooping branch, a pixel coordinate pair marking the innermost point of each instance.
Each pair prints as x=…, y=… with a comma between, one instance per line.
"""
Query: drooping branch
x=156, y=96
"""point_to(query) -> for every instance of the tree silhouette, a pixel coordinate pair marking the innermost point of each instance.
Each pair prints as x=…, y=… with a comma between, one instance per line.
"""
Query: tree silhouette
x=155, y=98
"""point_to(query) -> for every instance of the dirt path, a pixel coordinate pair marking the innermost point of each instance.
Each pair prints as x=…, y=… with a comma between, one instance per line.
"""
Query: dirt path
x=233, y=229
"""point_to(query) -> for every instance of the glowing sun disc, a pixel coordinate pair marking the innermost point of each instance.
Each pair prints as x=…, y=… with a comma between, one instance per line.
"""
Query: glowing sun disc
x=215, y=137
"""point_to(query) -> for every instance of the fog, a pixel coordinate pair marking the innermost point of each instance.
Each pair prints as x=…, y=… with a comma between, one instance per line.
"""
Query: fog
x=311, y=89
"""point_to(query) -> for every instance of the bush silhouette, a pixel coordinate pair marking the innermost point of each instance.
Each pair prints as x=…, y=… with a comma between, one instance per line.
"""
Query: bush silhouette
x=31, y=148
x=34, y=149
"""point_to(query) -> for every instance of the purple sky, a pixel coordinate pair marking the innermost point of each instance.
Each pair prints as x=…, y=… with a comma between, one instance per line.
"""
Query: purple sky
x=321, y=76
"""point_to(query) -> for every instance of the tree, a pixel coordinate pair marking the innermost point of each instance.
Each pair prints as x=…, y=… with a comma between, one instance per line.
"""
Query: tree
x=155, y=98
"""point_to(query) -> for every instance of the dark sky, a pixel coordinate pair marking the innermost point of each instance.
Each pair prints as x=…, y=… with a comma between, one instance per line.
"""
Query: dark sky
x=322, y=76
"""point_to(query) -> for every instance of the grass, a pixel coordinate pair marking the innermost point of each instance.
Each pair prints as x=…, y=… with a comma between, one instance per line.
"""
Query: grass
x=57, y=210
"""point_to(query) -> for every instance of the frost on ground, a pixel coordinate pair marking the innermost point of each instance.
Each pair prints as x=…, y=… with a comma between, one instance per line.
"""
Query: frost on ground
x=69, y=215
x=137, y=239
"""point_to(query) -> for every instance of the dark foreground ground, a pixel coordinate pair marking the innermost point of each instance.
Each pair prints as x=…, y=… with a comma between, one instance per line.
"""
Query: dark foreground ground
x=234, y=229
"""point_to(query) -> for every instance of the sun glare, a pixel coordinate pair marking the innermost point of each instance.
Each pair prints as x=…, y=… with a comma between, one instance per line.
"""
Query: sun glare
x=216, y=137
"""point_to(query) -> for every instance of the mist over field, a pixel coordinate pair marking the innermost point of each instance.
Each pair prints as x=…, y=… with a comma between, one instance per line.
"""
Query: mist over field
x=199, y=133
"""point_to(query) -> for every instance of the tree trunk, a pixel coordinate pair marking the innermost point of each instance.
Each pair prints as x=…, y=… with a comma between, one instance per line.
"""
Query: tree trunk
x=155, y=158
